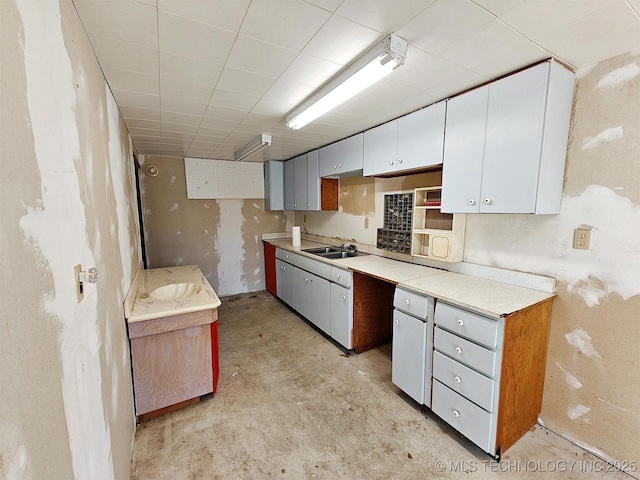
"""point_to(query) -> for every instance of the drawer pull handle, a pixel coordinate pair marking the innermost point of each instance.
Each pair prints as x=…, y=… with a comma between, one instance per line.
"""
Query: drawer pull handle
x=306, y=279
x=458, y=350
x=456, y=413
x=457, y=379
x=338, y=276
x=407, y=301
x=460, y=322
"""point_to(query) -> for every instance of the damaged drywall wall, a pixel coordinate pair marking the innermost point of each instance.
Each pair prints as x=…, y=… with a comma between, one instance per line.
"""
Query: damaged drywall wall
x=68, y=199
x=222, y=237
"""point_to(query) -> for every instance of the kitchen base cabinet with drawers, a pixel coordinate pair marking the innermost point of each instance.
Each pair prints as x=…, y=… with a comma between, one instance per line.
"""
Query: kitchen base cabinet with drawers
x=488, y=374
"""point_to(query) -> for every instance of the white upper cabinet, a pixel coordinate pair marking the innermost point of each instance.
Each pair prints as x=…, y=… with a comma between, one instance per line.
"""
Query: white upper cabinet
x=343, y=157
x=302, y=183
x=289, y=185
x=301, y=180
x=505, y=144
x=412, y=142
x=274, y=185
x=313, y=181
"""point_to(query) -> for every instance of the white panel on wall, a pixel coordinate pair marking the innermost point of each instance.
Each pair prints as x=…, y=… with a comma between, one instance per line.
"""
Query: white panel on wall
x=222, y=179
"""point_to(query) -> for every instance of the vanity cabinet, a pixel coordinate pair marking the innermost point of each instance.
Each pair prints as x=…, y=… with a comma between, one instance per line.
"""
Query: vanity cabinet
x=412, y=142
x=506, y=143
x=488, y=373
x=412, y=344
x=343, y=157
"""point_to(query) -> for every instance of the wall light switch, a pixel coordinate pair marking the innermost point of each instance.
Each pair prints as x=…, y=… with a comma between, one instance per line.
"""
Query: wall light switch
x=79, y=287
x=581, y=238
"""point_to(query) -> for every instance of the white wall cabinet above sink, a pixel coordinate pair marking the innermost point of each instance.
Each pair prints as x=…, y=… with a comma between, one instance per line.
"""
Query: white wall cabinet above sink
x=411, y=142
x=506, y=143
x=342, y=158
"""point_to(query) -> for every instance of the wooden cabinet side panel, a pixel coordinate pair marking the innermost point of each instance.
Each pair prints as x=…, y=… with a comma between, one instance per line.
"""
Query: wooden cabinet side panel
x=171, y=367
x=372, y=312
x=524, y=359
x=270, y=268
x=328, y=194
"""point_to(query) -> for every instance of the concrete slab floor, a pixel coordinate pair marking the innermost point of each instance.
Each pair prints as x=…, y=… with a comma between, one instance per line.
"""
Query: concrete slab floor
x=291, y=404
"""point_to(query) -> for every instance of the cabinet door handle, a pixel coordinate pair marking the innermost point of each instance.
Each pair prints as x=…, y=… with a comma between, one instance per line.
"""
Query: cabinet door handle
x=397, y=322
x=339, y=165
x=456, y=413
x=487, y=201
x=390, y=162
x=458, y=350
x=344, y=297
x=306, y=279
x=457, y=379
x=407, y=301
x=308, y=204
x=471, y=201
x=460, y=322
x=335, y=166
x=338, y=276
x=399, y=160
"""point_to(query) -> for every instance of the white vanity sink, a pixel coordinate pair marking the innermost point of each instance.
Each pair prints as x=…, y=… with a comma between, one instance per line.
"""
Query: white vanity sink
x=175, y=291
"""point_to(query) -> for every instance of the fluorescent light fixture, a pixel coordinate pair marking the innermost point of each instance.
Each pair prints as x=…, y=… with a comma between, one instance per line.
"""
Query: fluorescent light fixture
x=253, y=146
x=374, y=64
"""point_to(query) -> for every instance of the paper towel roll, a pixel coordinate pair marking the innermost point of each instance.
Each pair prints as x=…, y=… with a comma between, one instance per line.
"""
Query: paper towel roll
x=295, y=236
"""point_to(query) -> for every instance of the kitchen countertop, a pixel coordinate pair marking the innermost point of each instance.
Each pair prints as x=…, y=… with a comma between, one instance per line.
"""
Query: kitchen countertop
x=488, y=297
x=146, y=307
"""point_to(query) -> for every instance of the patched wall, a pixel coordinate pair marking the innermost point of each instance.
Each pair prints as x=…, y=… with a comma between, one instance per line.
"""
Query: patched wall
x=68, y=197
x=222, y=237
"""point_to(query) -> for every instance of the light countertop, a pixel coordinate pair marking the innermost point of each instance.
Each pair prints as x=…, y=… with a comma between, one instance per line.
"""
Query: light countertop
x=489, y=297
x=145, y=307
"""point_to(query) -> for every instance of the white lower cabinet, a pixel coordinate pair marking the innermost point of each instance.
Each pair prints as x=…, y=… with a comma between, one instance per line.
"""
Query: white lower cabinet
x=412, y=344
x=284, y=282
x=312, y=297
x=342, y=315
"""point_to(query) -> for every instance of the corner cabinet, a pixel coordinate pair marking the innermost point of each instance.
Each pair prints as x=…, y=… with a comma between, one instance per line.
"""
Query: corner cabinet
x=506, y=143
x=436, y=235
x=412, y=142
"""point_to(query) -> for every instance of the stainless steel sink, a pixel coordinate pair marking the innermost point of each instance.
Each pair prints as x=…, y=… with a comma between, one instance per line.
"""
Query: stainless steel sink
x=321, y=250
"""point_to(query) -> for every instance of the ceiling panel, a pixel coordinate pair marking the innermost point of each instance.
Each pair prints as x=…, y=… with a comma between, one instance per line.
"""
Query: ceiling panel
x=203, y=77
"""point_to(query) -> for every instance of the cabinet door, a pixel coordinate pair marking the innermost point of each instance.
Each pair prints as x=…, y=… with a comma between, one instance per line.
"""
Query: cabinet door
x=408, y=355
x=289, y=185
x=515, y=120
x=301, y=282
x=464, y=151
x=284, y=282
x=341, y=315
x=421, y=138
x=380, y=148
x=313, y=181
x=328, y=160
x=273, y=185
x=318, y=301
x=301, y=179
x=351, y=154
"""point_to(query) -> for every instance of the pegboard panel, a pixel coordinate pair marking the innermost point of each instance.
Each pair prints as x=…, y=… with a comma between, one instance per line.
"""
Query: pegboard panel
x=208, y=178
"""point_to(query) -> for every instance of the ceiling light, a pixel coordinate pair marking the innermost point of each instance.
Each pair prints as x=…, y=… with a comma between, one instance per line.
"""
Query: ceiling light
x=367, y=69
x=253, y=146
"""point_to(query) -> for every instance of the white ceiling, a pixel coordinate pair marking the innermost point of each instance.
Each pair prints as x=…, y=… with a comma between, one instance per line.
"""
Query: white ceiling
x=201, y=78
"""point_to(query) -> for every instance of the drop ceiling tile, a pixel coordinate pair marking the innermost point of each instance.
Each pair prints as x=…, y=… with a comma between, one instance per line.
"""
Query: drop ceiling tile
x=247, y=128
x=259, y=57
x=347, y=121
x=329, y=5
x=225, y=14
x=341, y=40
x=607, y=32
x=178, y=127
x=444, y=23
x=290, y=93
x=201, y=144
x=241, y=81
x=176, y=104
x=228, y=114
x=125, y=55
x=382, y=15
x=498, y=7
x=513, y=60
x=141, y=113
x=213, y=132
x=218, y=124
x=136, y=99
x=122, y=19
x=193, y=39
x=635, y=4
x=197, y=152
x=184, y=119
x=534, y=19
x=224, y=98
x=383, y=93
x=132, y=81
x=208, y=140
x=310, y=71
x=276, y=108
x=145, y=132
x=262, y=120
x=189, y=70
x=289, y=24
x=423, y=69
x=138, y=123
x=187, y=91
x=183, y=137
x=491, y=40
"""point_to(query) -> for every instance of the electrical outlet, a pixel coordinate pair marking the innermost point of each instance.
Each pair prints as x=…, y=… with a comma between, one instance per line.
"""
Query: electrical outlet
x=79, y=287
x=581, y=238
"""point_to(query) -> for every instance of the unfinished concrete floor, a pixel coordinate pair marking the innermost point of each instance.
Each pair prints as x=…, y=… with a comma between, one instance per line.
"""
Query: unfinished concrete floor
x=290, y=404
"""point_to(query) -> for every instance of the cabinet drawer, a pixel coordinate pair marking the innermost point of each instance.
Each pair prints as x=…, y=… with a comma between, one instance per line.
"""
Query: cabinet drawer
x=470, y=325
x=285, y=255
x=472, y=355
x=463, y=415
x=417, y=305
x=464, y=380
x=341, y=277
x=321, y=269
